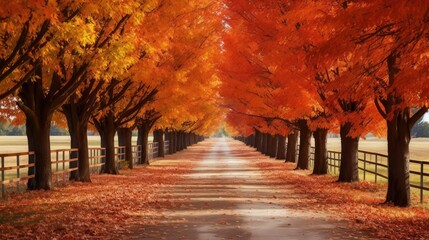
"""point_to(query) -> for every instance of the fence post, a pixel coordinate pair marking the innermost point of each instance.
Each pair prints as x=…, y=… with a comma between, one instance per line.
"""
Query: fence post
x=337, y=157
x=376, y=167
x=364, y=166
x=421, y=181
x=334, y=163
x=139, y=153
x=17, y=172
x=92, y=156
x=56, y=167
x=3, y=190
x=64, y=164
x=148, y=151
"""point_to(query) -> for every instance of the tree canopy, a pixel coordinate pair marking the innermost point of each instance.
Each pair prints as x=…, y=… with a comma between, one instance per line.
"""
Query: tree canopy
x=259, y=69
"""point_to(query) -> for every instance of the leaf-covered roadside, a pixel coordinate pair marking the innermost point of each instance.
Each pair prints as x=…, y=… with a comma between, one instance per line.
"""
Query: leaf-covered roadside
x=358, y=203
x=102, y=209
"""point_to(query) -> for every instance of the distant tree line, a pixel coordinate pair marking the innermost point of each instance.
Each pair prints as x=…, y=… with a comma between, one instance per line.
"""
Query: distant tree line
x=7, y=129
x=420, y=130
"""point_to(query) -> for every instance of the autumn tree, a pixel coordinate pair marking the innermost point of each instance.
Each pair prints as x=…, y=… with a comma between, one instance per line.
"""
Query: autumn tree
x=124, y=63
x=395, y=48
x=184, y=40
x=118, y=114
x=73, y=54
x=54, y=80
x=24, y=32
x=278, y=72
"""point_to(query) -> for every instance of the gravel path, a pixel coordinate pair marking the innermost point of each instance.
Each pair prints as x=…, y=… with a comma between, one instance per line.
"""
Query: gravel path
x=224, y=197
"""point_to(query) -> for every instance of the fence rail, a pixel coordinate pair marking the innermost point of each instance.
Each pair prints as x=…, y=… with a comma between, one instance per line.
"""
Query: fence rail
x=120, y=156
x=374, y=167
x=14, y=171
x=63, y=156
x=18, y=170
x=152, y=150
x=96, y=156
x=14, y=167
x=166, y=147
x=136, y=153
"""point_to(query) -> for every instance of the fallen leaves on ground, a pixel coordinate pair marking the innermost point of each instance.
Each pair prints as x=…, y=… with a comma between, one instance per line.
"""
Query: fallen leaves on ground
x=103, y=209
x=360, y=203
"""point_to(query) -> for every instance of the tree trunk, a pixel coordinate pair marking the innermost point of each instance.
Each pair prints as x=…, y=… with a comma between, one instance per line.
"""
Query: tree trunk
x=159, y=138
x=179, y=141
x=188, y=139
x=399, y=123
x=252, y=140
x=43, y=156
x=183, y=141
x=31, y=183
x=272, y=146
x=185, y=136
x=83, y=174
x=173, y=142
x=247, y=140
x=292, y=140
x=168, y=137
x=264, y=143
x=320, y=153
x=268, y=147
x=107, y=134
x=398, y=140
x=281, y=147
x=125, y=136
x=78, y=128
x=349, y=171
x=73, y=128
x=142, y=140
x=258, y=140
x=83, y=156
x=193, y=138
x=38, y=112
x=304, y=145
x=39, y=141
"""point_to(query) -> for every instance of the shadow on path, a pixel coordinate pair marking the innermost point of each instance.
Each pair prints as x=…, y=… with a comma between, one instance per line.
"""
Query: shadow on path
x=224, y=197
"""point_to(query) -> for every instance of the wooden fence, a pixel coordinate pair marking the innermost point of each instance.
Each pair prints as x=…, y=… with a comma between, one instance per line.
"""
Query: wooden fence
x=14, y=166
x=374, y=167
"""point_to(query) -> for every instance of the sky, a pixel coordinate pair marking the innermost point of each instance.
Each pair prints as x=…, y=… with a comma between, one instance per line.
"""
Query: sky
x=426, y=117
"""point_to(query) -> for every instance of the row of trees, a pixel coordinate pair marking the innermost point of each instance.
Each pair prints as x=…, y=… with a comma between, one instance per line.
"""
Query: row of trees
x=313, y=67
x=113, y=66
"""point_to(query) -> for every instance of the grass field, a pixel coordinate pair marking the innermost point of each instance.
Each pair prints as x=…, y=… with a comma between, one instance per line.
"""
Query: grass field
x=12, y=144
x=419, y=150
x=419, y=147
x=18, y=144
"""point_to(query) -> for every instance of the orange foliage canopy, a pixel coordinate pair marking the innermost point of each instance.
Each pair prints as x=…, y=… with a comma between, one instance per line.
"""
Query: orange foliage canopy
x=181, y=62
x=311, y=60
